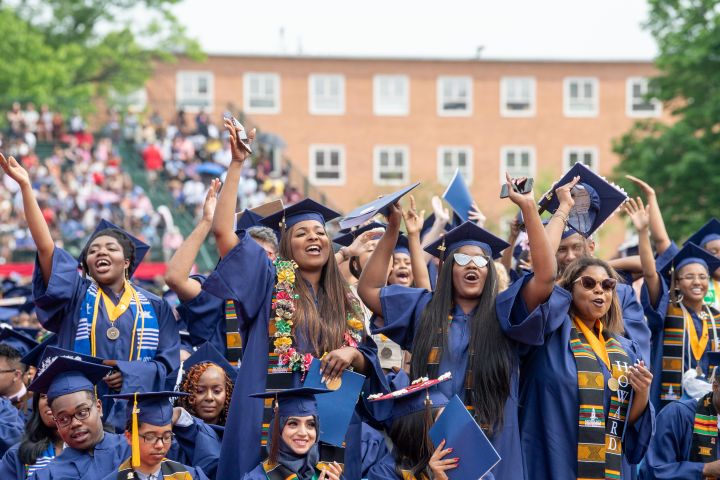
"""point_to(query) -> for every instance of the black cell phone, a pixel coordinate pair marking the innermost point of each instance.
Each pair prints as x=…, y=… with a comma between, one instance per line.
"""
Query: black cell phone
x=242, y=135
x=523, y=187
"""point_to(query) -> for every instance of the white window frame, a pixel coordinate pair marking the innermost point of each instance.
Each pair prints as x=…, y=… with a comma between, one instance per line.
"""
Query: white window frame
x=313, y=166
x=581, y=150
x=504, y=91
x=391, y=149
x=517, y=150
x=180, y=97
x=630, y=103
x=566, y=97
x=440, y=96
x=316, y=109
x=383, y=109
x=275, y=78
x=468, y=177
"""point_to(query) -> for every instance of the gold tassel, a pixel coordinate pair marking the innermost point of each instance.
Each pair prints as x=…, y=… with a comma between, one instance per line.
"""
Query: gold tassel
x=135, y=435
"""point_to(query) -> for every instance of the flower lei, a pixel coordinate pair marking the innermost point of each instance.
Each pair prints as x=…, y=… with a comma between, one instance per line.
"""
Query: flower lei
x=283, y=304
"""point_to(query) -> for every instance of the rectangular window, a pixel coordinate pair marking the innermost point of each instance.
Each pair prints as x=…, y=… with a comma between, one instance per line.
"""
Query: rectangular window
x=391, y=95
x=638, y=105
x=327, y=94
x=454, y=96
x=517, y=161
x=517, y=96
x=327, y=164
x=392, y=165
x=194, y=90
x=451, y=158
x=585, y=155
x=261, y=93
x=581, y=98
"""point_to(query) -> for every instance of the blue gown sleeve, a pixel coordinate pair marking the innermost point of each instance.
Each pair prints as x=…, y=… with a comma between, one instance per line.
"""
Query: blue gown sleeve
x=54, y=303
x=531, y=328
x=637, y=436
x=655, y=314
x=636, y=328
x=667, y=456
x=373, y=448
x=197, y=473
x=245, y=275
x=200, y=446
x=11, y=468
x=12, y=426
x=402, y=309
x=204, y=316
x=257, y=473
x=384, y=469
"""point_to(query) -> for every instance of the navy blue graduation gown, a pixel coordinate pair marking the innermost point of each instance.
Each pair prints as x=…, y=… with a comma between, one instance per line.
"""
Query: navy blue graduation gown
x=402, y=309
x=636, y=328
x=11, y=468
x=385, y=470
x=247, y=276
x=205, y=318
x=668, y=456
x=76, y=464
x=198, y=445
x=58, y=309
x=195, y=473
x=373, y=448
x=549, y=389
x=12, y=425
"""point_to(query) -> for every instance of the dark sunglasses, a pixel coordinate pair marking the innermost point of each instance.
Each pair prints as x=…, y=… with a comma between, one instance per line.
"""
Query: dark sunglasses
x=589, y=283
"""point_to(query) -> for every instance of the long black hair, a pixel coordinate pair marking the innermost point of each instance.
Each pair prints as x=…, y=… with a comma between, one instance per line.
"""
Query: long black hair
x=125, y=242
x=490, y=352
x=37, y=437
x=409, y=436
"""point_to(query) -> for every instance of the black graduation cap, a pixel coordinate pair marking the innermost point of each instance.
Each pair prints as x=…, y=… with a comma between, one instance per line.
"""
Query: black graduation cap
x=307, y=209
x=690, y=253
x=141, y=248
x=595, y=199
x=19, y=341
x=348, y=236
x=707, y=233
x=380, y=206
x=468, y=234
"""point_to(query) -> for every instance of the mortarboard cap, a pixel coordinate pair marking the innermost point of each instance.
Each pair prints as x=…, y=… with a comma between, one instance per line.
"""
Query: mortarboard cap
x=63, y=376
x=347, y=237
x=19, y=341
x=468, y=234
x=461, y=433
x=380, y=206
x=307, y=209
x=294, y=402
x=207, y=353
x=141, y=248
x=247, y=219
x=402, y=245
x=568, y=232
x=458, y=196
x=410, y=397
x=707, y=233
x=52, y=351
x=687, y=255
x=32, y=358
x=595, y=199
x=18, y=298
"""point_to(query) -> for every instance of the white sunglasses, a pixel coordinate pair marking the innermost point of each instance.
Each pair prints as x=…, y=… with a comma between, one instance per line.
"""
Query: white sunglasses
x=463, y=259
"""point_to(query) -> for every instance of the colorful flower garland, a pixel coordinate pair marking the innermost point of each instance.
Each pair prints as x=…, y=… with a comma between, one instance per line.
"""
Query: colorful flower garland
x=283, y=304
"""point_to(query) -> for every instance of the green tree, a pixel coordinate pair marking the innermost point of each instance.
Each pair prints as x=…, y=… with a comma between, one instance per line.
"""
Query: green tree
x=70, y=52
x=681, y=159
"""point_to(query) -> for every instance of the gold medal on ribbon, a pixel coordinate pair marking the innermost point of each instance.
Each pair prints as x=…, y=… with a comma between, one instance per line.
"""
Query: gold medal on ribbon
x=112, y=333
x=613, y=384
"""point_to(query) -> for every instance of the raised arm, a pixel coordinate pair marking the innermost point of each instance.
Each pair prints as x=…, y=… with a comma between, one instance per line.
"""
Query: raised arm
x=507, y=254
x=374, y=275
x=556, y=226
x=657, y=224
x=640, y=217
x=177, y=276
x=223, y=225
x=361, y=244
x=540, y=286
x=413, y=225
x=33, y=215
x=442, y=218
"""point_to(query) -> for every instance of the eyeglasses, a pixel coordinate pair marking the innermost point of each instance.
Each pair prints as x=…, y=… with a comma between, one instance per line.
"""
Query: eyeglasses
x=9, y=370
x=462, y=260
x=152, y=439
x=589, y=283
x=691, y=278
x=65, y=420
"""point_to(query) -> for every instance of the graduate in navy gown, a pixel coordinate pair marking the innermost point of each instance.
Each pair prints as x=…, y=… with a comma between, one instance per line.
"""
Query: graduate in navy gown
x=13, y=346
x=69, y=385
x=303, y=285
x=293, y=448
x=39, y=446
x=101, y=313
x=11, y=425
x=583, y=386
x=684, y=446
x=462, y=311
x=150, y=434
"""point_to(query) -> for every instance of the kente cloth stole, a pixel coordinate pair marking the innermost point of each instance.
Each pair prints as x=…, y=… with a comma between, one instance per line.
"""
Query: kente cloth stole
x=170, y=470
x=233, y=351
x=673, y=362
x=146, y=331
x=705, y=431
x=599, y=436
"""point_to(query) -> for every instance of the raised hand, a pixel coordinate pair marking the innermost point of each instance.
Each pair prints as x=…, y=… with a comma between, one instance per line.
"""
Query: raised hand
x=14, y=170
x=475, y=215
x=564, y=193
x=516, y=197
x=441, y=213
x=438, y=465
x=640, y=378
x=239, y=154
x=211, y=200
x=413, y=221
x=362, y=241
x=646, y=189
x=638, y=213
x=394, y=216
